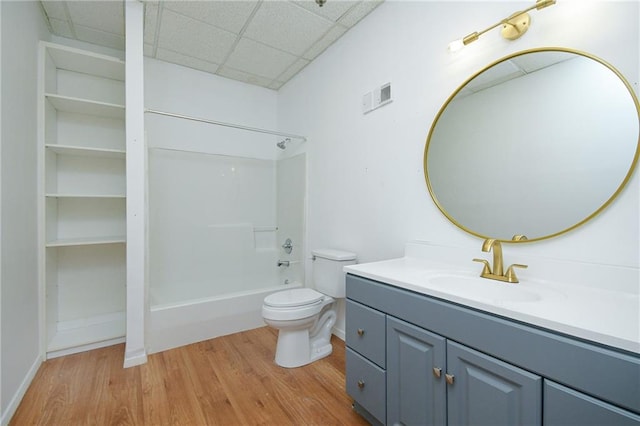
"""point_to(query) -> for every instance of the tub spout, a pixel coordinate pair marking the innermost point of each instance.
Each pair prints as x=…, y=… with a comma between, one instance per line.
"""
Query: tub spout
x=283, y=263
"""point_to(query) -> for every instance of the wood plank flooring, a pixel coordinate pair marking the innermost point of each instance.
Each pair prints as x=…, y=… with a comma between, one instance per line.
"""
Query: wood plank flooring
x=230, y=380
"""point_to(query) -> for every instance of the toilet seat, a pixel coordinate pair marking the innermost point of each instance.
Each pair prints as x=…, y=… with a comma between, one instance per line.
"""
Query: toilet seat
x=295, y=298
x=294, y=305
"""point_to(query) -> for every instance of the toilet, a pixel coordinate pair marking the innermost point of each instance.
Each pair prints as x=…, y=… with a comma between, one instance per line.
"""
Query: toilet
x=305, y=317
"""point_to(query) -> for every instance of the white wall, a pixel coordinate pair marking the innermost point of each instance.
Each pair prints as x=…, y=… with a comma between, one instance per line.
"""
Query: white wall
x=181, y=90
x=22, y=27
x=367, y=191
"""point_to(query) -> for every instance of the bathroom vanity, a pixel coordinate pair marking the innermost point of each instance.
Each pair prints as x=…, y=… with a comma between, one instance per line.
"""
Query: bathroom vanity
x=418, y=359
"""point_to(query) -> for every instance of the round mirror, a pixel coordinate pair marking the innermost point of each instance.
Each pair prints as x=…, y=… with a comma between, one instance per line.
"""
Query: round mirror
x=535, y=144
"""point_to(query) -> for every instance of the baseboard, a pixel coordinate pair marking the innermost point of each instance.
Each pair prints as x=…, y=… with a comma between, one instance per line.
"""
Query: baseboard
x=84, y=348
x=17, y=397
x=339, y=333
x=135, y=358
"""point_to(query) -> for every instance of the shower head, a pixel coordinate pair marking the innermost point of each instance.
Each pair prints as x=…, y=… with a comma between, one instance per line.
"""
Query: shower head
x=283, y=143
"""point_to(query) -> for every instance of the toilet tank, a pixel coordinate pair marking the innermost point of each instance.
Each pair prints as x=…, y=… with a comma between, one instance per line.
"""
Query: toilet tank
x=328, y=276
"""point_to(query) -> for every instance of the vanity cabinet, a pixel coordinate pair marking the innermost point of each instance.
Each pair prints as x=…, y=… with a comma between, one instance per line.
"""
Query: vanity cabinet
x=431, y=379
x=447, y=364
x=82, y=198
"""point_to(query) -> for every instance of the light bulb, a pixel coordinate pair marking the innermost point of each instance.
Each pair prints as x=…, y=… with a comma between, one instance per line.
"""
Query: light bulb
x=455, y=45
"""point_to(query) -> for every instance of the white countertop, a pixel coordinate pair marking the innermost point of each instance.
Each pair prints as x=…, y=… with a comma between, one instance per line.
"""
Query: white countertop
x=606, y=315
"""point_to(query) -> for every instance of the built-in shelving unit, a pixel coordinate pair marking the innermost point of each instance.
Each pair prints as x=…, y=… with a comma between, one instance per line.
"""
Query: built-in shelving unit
x=83, y=198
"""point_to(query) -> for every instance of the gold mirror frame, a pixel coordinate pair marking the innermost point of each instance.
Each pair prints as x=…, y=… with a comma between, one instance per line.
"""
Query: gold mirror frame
x=517, y=238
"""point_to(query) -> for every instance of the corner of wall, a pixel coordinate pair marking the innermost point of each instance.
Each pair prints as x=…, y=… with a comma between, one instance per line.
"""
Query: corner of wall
x=19, y=394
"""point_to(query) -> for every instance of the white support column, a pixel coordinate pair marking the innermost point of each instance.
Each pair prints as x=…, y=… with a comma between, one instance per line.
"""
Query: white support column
x=135, y=352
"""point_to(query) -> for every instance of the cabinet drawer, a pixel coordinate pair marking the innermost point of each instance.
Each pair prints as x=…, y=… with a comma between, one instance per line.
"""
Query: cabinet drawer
x=366, y=383
x=366, y=332
x=564, y=406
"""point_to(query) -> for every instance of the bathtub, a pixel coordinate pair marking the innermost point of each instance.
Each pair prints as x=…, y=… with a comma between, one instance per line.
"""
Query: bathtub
x=171, y=325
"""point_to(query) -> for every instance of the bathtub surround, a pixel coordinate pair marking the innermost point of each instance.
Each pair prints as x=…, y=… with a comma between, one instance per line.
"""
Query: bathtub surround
x=221, y=202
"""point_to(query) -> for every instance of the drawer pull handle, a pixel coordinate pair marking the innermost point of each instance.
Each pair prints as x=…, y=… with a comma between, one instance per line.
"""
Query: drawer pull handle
x=360, y=332
x=449, y=378
x=437, y=372
x=360, y=384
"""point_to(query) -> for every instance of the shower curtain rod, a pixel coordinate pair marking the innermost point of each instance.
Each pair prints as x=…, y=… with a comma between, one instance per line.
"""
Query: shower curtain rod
x=195, y=151
x=222, y=123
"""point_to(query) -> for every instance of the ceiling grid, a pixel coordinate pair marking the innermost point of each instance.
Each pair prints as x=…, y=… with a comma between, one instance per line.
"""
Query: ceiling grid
x=260, y=42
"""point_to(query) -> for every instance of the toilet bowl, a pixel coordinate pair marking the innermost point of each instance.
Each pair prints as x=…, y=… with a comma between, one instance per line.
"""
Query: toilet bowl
x=305, y=317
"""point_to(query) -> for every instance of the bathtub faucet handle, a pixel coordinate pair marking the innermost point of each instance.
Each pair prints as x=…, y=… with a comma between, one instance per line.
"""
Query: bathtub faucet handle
x=288, y=246
x=283, y=263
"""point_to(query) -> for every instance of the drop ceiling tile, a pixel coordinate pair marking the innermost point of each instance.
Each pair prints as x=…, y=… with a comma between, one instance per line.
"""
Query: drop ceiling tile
x=332, y=9
x=194, y=38
x=293, y=69
x=327, y=40
x=256, y=58
x=187, y=61
x=107, y=16
x=228, y=15
x=61, y=28
x=101, y=38
x=54, y=9
x=244, y=76
x=358, y=12
x=286, y=26
x=279, y=38
x=150, y=22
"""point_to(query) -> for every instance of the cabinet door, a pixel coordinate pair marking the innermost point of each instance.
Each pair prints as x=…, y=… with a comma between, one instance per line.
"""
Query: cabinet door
x=486, y=391
x=564, y=407
x=415, y=391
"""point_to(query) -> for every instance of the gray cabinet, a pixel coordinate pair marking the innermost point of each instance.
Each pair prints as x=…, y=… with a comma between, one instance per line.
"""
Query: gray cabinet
x=448, y=364
x=485, y=391
x=366, y=382
x=416, y=366
x=366, y=361
x=565, y=407
x=432, y=381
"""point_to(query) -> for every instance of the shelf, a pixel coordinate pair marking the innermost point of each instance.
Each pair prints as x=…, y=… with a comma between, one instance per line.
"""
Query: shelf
x=82, y=142
x=86, y=151
x=115, y=239
x=89, y=330
x=58, y=195
x=71, y=59
x=85, y=106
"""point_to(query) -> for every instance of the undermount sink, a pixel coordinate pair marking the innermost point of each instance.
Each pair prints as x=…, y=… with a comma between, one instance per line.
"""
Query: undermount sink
x=470, y=285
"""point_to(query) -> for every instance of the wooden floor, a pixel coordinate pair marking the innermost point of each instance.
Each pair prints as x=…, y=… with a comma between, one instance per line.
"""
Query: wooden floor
x=229, y=380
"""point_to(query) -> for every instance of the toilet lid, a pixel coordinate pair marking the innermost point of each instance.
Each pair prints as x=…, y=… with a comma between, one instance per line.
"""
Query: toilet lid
x=293, y=298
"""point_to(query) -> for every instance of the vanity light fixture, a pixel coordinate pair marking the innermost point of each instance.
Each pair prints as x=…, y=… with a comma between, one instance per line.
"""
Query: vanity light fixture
x=513, y=26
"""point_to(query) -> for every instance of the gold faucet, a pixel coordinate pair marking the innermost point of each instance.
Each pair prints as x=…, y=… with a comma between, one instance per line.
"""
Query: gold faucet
x=497, y=272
